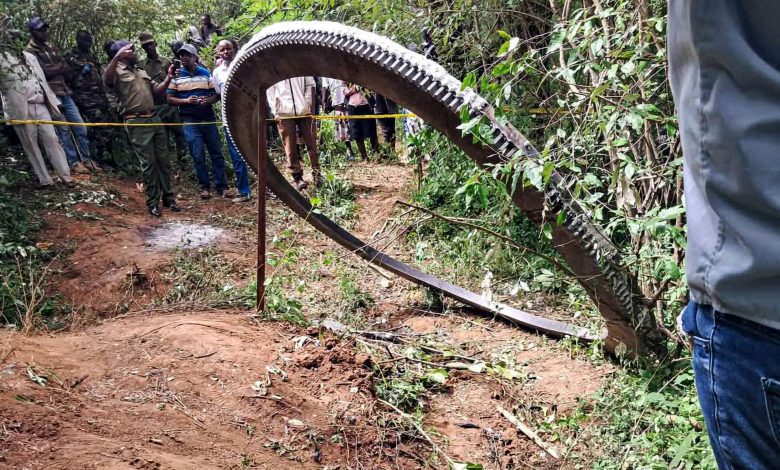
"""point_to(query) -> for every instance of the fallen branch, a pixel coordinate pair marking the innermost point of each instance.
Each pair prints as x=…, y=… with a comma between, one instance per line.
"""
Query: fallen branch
x=522, y=427
x=450, y=463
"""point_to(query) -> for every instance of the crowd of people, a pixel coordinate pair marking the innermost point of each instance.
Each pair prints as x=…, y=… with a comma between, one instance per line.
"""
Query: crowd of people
x=41, y=83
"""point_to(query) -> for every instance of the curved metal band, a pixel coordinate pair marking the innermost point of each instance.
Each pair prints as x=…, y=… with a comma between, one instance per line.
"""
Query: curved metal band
x=294, y=49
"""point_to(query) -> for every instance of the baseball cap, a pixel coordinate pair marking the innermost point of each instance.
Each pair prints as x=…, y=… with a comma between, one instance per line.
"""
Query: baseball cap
x=118, y=45
x=35, y=23
x=188, y=48
x=145, y=38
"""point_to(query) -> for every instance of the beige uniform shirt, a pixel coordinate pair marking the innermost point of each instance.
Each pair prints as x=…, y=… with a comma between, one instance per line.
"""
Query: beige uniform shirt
x=133, y=87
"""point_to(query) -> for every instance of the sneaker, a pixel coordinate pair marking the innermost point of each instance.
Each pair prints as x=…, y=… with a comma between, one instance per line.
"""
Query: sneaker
x=205, y=194
x=79, y=169
x=241, y=199
x=155, y=212
x=229, y=194
x=69, y=184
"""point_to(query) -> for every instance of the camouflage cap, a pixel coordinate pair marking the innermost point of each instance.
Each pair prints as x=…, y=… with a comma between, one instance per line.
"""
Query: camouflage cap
x=145, y=38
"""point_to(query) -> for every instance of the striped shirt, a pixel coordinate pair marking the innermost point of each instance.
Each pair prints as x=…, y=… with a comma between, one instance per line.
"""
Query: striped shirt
x=197, y=83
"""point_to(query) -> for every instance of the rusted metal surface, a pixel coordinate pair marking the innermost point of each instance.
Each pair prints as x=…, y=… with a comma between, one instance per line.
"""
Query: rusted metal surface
x=294, y=49
x=261, y=156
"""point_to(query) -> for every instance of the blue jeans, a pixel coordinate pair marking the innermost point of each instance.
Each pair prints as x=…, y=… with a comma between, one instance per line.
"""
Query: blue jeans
x=200, y=138
x=736, y=364
x=239, y=167
x=69, y=134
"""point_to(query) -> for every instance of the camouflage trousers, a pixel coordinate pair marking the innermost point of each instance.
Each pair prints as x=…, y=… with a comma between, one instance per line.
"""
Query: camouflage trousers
x=104, y=141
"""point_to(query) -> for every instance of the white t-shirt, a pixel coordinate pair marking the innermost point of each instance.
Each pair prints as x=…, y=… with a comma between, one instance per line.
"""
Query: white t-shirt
x=292, y=96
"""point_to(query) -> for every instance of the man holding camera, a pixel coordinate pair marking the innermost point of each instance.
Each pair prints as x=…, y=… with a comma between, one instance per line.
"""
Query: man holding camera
x=135, y=90
x=193, y=92
x=157, y=67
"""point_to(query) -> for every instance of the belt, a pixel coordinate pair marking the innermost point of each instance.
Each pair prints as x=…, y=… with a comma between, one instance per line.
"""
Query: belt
x=134, y=116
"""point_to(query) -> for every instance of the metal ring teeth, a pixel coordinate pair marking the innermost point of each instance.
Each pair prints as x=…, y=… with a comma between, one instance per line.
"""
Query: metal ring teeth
x=429, y=77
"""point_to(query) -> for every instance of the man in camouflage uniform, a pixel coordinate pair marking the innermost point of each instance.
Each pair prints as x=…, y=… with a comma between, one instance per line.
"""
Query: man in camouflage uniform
x=157, y=67
x=89, y=94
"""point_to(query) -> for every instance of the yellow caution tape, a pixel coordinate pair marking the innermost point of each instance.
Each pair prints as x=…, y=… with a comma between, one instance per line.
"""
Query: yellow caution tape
x=323, y=117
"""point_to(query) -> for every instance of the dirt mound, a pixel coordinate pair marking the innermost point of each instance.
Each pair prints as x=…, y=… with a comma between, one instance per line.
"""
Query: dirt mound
x=195, y=390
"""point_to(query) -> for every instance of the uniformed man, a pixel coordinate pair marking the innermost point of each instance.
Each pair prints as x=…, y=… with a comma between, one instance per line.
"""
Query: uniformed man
x=90, y=96
x=56, y=69
x=135, y=90
x=156, y=67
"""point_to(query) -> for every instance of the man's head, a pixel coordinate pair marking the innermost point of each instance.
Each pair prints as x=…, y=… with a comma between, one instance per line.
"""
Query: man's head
x=188, y=56
x=130, y=59
x=39, y=29
x=84, y=41
x=175, y=46
x=107, y=48
x=205, y=19
x=148, y=44
x=226, y=49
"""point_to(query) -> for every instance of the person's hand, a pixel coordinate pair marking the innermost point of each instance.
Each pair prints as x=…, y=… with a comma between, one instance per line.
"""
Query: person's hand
x=171, y=70
x=126, y=52
x=194, y=100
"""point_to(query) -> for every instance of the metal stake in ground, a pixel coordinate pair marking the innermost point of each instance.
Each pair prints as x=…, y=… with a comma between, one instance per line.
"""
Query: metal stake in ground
x=262, y=161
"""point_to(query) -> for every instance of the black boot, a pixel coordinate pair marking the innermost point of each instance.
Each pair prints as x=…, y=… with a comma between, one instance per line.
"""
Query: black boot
x=298, y=181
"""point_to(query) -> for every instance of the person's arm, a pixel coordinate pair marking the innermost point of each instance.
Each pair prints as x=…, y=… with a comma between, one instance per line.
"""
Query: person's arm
x=109, y=76
x=51, y=70
x=182, y=102
x=161, y=87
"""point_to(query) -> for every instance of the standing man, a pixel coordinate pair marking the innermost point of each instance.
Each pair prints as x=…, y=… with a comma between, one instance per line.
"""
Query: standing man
x=361, y=129
x=193, y=92
x=724, y=67
x=136, y=90
x=26, y=95
x=56, y=69
x=208, y=29
x=85, y=79
x=157, y=67
x=333, y=100
x=383, y=105
x=290, y=99
x=226, y=50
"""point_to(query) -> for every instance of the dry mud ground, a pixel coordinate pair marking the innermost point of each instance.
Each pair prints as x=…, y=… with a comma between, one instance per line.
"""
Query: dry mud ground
x=133, y=385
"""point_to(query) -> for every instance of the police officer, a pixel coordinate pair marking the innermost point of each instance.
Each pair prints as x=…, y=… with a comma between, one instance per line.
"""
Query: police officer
x=135, y=90
x=89, y=94
x=156, y=67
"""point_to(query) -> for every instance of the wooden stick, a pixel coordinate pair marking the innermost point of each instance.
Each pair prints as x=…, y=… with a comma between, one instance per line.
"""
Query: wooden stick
x=522, y=427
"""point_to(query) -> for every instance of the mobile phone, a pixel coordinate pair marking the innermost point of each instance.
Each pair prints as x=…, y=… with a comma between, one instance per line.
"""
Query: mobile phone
x=176, y=63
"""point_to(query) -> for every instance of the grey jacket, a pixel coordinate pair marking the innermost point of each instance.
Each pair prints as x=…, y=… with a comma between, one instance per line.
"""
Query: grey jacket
x=724, y=59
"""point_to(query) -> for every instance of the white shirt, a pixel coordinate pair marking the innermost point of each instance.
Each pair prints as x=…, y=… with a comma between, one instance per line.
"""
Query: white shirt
x=292, y=96
x=219, y=76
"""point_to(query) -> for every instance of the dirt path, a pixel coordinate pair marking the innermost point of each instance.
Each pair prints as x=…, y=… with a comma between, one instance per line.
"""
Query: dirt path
x=168, y=387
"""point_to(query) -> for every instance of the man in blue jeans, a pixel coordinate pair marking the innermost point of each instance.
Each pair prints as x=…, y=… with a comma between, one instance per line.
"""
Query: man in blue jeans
x=226, y=50
x=56, y=68
x=193, y=92
x=725, y=73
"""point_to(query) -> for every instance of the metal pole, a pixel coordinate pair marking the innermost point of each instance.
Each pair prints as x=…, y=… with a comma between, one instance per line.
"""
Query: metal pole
x=262, y=161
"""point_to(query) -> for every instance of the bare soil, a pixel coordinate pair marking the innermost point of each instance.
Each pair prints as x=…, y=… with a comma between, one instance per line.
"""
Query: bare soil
x=136, y=384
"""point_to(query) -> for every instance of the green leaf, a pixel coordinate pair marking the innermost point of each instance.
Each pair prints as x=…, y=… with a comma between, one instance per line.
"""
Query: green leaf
x=682, y=450
x=437, y=375
x=547, y=231
x=465, y=466
x=504, y=34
